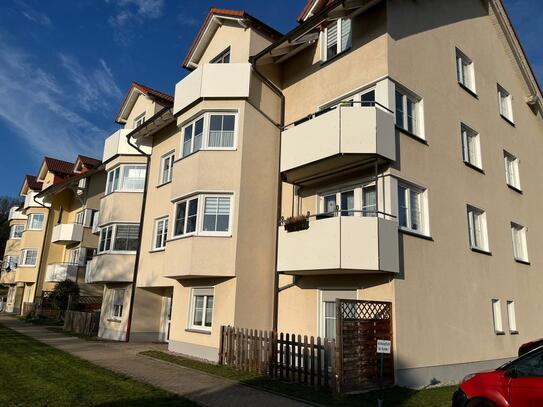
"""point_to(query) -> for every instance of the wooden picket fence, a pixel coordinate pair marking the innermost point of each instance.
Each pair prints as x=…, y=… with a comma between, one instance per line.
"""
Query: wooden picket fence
x=290, y=357
x=82, y=323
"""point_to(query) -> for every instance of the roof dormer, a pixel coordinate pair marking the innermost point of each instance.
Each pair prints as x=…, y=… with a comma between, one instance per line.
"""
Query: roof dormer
x=140, y=104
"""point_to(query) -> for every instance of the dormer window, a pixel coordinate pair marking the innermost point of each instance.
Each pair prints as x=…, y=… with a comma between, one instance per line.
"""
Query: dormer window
x=222, y=58
x=138, y=121
x=336, y=38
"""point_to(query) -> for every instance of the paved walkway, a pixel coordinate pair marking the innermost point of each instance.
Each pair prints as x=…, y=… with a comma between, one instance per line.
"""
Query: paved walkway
x=206, y=390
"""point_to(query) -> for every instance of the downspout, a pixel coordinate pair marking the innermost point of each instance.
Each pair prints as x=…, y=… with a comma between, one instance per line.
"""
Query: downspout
x=277, y=91
x=140, y=233
x=42, y=252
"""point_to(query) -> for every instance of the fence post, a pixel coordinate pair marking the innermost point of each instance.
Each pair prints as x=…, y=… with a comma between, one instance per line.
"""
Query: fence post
x=338, y=348
x=221, y=346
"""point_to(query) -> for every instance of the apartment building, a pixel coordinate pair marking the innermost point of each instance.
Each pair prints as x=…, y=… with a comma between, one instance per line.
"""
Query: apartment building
x=72, y=233
x=120, y=212
x=17, y=222
x=411, y=140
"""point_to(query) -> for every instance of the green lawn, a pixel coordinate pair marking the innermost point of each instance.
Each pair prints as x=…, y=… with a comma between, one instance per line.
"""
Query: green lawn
x=35, y=374
x=397, y=396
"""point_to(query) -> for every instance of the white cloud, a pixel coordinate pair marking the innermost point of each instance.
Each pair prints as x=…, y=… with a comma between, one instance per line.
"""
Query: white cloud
x=34, y=15
x=96, y=88
x=132, y=13
x=40, y=110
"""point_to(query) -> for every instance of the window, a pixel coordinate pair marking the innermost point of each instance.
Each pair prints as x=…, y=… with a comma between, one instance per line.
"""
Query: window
x=127, y=178
x=117, y=303
x=203, y=214
x=511, y=170
x=337, y=38
x=10, y=263
x=369, y=200
x=28, y=258
x=504, y=103
x=216, y=214
x=105, y=239
x=471, y=148
x=35, y=221
x=78, y=256
x=201, y=308
x=520, y=247
x=219, y=130
x=411, y=207
x=161, y=233
x=166, y=168
x=478, y=238
x=138, y=121
x=497, y=316
x=464, y=71
x=327, y=323
x=406, y=112
x=80, y=218
x=344, y=201
x=16, y=231
x=222, y=58
x=126, y=238
x=511, y=317
x=186, y=215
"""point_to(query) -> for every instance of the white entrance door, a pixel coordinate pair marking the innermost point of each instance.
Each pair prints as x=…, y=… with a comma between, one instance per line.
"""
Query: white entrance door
x=166, y=318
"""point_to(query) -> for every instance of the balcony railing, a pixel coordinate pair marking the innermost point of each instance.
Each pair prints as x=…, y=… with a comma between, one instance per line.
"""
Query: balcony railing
x=213, y=81
x=110, y=267
x=117, y=144
x=58, y=272
x=340, y=242
x=67, y=233
x=337, y=137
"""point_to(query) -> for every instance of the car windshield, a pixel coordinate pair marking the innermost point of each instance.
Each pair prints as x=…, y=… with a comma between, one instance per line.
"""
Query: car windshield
x=529, y=364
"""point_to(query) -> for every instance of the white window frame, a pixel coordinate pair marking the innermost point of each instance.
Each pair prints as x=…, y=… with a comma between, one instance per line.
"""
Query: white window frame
x=497, y=317
x=407, y=96
x=80, y=217
x=465, y=71
x=120, y=186
x=206, y=292
x=220, y=59
x=164, y=178
x=511, y=317
x=139, y=120
x=31, y=220
x=520, y=242
x=206, y=131
x=117, y=308
x=471, y=157
x=110, y=249
x=505, y=103
x=199, y=231
x=340, y=47
x=423, y=207
x=24, y=258
x=477, y=218
x=328, y=295
x=512, y=170
x=13, y=231
x=164, y=236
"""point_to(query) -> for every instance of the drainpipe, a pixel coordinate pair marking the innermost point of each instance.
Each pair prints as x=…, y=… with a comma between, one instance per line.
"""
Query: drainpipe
x=142, y=217
x=42, y=254
x=276, y=290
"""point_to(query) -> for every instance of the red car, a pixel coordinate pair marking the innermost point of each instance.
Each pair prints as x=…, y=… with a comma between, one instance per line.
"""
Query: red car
x=527, y=347
x=516, y=384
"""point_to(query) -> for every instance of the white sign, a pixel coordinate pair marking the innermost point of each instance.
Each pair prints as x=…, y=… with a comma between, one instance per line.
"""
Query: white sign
x=383, y=346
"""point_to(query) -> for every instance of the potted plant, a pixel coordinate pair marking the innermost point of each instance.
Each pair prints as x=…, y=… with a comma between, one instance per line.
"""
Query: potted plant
x=296, y=223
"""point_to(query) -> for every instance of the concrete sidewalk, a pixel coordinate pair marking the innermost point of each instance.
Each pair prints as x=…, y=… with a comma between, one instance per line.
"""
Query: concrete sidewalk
x=206, y=390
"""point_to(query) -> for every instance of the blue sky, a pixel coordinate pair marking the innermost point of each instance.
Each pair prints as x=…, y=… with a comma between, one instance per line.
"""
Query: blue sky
x=66, y=65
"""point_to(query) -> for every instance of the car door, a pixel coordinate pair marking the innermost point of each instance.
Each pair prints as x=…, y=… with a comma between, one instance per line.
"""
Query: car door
x=526, y=385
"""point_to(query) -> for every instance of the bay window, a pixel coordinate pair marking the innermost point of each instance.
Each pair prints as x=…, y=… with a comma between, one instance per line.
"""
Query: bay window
x=119, y=238
x=203, y=214
x=126, y=178
x=210, y=131
x=16, y=231
x=35, y=221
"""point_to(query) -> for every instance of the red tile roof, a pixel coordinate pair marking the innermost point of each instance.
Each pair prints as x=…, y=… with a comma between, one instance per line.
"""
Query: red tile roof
x=89, y=162
x=59, y=167
x=163, y=98
x=33, y=183
x=257, y=24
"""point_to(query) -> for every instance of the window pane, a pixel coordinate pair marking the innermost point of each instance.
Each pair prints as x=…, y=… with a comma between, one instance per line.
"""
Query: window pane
x=187, y=141
x=221, y=131
x=330, y=204
x=133, y=178
x=331, y=40
x=402, y=206
x=198, y=310
x=345, y=34
x=209, y=311
x=330, y=319
x=399, y=110
x=414, y=204
x=126, y=238
x=192, y=215
x=369, y=203
x=411, y=123
x=198, y=132
x=347, y=202
x=180, y=214
x=368, y=98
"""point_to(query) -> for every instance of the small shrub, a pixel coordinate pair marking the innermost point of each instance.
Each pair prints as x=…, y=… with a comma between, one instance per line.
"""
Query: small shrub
x=296, y=223
x=62, y=292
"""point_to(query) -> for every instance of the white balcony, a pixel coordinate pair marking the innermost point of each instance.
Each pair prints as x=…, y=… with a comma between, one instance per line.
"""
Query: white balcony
x=340, y=245
x=336, y=139
x=31, y=203
x=213, y=81
x=16, y=214
x=7, y=277
x=58, y=272
x=117, y=144
x=67, y=233
x=110, y=268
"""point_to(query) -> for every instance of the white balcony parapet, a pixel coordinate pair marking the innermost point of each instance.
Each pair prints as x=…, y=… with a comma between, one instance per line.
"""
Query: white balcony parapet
x=340, y=244
x=213, y=81
x=31, y=203
x=117, y=144
x=110, y=267
x=58, y=272
x=67, y=233
x=16, y=214
x=343, y=130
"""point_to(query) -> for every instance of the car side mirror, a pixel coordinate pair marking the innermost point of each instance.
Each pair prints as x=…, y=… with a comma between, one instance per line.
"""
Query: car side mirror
x=512, y=373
